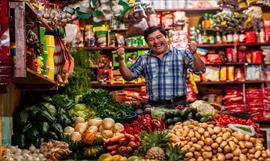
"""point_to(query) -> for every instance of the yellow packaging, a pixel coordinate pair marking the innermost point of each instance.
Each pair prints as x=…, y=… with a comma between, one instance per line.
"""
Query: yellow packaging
x=199, y=78
x=49, y=40
x=227, y=73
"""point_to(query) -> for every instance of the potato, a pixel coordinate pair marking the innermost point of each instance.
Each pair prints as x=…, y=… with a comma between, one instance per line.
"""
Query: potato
x=217, y=129
x=208, y=141
x=197, y=135
x=191, y=149
x=245, y=150
x=219, y=149
x=223, y=144
x=242, y=157
x=226, y=135
x=253, y=140
x=174, y=138
x=257, y=154
x=227, y=149
x=264, y=154
x=237, y=152
x=201, y=143
x=232, y=145
x=219, y=140
x=220, y=157
x=228, y=156
x=197, y=146
x=192, y=159
x=261, y=159
x=259, y=147
x=214, y=145
x=201, y=130
x=189, y=155
x=194, y=139
x=210, y=130
x=251, y=156
x=207, y=155
x=213, y=136
x=235, y=159
x=191, y=134
x=252, y=150
x=191, y=126
x=242, y=144
x=204, y=125
x=206, y=134
x=200, y=159
x=247, y=137
x=197, y=154
x=215, y=151
x=248, y=144
x=207, y=148
x=240, y=136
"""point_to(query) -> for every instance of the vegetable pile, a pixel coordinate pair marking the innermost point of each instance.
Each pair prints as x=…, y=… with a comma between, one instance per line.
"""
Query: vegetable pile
x=104, y=104
x=41, y=122
x=203, y=141
x=146, y=123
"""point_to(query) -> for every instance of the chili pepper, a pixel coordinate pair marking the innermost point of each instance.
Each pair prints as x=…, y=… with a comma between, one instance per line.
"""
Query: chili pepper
x=147, y=116
x=136, y=130
x=127, y=128
x=135, y=123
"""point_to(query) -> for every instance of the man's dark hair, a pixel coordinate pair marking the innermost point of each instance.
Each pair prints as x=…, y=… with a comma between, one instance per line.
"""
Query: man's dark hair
x=152, y=29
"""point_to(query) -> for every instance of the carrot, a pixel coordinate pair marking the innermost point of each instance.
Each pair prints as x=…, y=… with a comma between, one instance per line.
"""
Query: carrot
x=114, y=139
x=132, y=144
x=111, y=147
x=130, y=137
x=113, y=152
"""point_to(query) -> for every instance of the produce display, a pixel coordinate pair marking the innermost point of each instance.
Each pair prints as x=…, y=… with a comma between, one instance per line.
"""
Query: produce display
x=58, y=128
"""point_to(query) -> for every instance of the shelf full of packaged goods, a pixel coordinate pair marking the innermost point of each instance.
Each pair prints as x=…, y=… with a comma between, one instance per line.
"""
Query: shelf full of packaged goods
x=34, y=81
x=39, y=19
x=220, y=64
x=232, y=45
x=230, y=82
x=191, y=10
x=115, y=48
x=95, y=84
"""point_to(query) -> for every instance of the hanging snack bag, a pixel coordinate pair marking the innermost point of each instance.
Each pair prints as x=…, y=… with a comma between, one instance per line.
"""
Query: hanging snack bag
x=227, y=73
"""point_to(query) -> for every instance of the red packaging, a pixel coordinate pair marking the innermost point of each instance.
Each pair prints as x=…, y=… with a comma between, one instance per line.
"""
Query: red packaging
x=267, y=30
x=239, y=74
x=241, y=54
x=167, y=20
x=214, y=58
x=256, y=56
x=250, y=37
x=231, y=55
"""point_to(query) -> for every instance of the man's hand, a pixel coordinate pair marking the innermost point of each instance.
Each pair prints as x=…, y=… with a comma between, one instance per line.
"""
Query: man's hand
x=121, y=53
x=193, y=47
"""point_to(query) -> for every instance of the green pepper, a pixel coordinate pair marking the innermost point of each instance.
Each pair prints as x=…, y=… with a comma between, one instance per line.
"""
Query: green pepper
x=26, y=127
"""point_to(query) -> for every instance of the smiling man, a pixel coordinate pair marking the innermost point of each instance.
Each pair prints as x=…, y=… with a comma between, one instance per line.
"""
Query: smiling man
x=164, y=68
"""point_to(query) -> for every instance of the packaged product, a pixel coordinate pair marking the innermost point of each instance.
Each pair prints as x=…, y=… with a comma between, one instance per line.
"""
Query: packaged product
x=253, y=72
x=214, y=58
x=256, y=56
x=199, y=78
x=167, y=20
x=231, y=55
x=227, y=73
x=212, y=73
x=239, y=74
x=251, y=37
x=241, y=54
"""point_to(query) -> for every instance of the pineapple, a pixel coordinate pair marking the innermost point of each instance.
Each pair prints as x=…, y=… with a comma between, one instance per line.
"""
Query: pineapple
x=175, y=153
x=155, y=153
x=153, y=144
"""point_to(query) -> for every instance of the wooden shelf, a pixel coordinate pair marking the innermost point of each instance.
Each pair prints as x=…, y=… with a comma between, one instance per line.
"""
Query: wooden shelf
x=34, y=81
x=213, y=9
x=118, y=30
x=115, y=48
x=231, y=45
x=230, y=82
x=96, y=84
x=35, y=15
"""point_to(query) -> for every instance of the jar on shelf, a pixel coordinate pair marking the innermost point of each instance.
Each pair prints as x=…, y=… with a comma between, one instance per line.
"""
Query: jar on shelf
x=218, y=38
x=89, y=37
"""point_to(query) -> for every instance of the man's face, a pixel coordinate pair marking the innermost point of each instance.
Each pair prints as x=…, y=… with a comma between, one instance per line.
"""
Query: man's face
x=157, y=42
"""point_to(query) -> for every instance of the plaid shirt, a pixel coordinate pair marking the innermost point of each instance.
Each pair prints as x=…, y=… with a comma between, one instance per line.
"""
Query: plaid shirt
x=166, y=78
